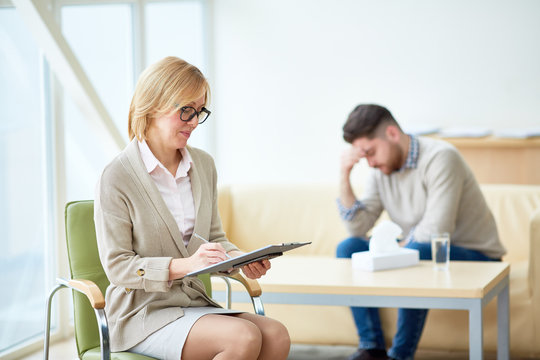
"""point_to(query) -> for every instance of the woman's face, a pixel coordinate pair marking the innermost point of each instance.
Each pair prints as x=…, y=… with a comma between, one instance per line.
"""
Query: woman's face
x=172, y=133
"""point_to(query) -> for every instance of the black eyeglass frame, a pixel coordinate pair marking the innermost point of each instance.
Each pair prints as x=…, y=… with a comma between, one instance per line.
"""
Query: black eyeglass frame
x=195, y=112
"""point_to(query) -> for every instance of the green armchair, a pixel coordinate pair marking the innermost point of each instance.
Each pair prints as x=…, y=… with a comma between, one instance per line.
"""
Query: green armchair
x=89, y=281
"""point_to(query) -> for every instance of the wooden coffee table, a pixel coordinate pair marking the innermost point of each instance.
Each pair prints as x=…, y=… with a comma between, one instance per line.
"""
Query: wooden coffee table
x=468, y=285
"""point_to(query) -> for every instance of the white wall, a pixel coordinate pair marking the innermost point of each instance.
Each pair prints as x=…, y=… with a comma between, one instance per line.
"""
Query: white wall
x=286, y=73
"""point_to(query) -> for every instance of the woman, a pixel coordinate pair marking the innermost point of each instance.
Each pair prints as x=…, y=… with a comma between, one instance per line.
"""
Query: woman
x=157, y=220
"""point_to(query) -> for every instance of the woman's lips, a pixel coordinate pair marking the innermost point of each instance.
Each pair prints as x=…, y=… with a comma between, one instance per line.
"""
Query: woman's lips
x=185, y=133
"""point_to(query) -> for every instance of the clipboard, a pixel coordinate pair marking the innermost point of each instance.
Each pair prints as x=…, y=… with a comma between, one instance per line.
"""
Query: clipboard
x=267, y=252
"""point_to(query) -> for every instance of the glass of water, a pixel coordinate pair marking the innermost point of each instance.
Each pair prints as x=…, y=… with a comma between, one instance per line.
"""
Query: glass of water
x=440, y=250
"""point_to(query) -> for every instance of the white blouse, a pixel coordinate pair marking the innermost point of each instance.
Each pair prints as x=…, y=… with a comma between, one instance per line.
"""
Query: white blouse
x=175, y=190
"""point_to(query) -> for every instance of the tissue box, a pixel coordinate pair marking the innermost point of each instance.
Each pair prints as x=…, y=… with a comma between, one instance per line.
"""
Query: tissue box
x=369, y=261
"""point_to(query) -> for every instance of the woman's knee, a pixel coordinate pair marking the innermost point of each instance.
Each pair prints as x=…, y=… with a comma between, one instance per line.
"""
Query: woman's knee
x=223, y=335
x=247, y=341
x=277, y=334
x=276, y=342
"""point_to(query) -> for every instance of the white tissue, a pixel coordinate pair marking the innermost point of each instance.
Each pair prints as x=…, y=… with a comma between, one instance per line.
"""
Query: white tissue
x=384, y=252
x=384, y=237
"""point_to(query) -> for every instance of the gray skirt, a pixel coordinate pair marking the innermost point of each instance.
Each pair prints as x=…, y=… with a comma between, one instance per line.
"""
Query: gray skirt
x=167, y=343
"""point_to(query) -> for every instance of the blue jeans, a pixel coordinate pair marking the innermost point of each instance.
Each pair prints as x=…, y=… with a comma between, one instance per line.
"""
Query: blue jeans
x=410, y=322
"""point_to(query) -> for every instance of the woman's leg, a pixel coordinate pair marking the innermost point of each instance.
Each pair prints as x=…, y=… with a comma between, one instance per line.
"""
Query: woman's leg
x=223, y=337
x=276, y=342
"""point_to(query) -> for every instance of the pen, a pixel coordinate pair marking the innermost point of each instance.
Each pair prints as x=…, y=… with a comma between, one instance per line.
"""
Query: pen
x=206, y=241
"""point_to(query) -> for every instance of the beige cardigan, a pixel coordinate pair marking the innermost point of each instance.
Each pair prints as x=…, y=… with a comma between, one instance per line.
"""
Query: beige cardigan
x=137, y=239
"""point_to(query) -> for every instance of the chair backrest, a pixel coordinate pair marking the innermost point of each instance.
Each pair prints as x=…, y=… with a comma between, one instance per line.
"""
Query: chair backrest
x=84, y=263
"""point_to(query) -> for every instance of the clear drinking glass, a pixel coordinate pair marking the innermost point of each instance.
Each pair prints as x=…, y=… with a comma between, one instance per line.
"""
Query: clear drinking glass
x=440, y=250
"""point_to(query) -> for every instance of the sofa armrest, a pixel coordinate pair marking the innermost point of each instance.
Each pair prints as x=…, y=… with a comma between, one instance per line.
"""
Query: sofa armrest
x=534, y=256
x=534, y=270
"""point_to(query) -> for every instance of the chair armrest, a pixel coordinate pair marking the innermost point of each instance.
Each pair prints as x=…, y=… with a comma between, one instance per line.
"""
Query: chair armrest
x=252, y=286
x=97, y=301
x=88, y=288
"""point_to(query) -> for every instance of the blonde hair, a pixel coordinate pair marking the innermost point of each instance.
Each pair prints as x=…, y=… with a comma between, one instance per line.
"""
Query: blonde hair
x=162, y=88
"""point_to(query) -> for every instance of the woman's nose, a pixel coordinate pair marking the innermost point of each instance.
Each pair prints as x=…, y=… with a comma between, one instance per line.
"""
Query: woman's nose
x=194, y=121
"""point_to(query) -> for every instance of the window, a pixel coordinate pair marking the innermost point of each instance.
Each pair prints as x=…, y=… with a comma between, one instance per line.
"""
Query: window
x=101, y=38
x=177, y=29
x=104, y=37
x=180, y=26
x=26, y=240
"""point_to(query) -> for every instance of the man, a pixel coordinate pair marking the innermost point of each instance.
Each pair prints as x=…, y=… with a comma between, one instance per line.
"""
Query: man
x=426, y=187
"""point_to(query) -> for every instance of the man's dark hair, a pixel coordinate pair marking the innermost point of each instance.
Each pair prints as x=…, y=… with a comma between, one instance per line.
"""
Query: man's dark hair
x=365, y=121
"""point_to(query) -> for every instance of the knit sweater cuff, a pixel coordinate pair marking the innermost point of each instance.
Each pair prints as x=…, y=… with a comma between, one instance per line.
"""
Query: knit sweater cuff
x=347, y=214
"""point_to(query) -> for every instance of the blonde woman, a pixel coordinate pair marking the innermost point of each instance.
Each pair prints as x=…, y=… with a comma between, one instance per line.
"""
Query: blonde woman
x=154, y=202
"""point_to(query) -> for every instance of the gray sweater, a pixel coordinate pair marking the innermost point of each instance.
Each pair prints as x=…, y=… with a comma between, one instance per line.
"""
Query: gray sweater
x=439, y=195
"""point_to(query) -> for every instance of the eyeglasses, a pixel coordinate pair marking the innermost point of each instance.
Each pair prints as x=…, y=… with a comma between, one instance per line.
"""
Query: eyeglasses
x=187, y=113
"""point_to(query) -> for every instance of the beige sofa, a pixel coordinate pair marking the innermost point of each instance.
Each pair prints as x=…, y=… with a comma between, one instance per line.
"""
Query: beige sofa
x=258, y=215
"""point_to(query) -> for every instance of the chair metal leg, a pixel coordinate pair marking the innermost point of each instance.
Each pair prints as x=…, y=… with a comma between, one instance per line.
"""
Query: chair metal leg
x=103, y=334
x=48, y=321
x=228, y=293
x=258, y=305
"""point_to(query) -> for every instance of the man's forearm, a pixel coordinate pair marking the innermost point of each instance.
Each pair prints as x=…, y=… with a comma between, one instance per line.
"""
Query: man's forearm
x=346, y=195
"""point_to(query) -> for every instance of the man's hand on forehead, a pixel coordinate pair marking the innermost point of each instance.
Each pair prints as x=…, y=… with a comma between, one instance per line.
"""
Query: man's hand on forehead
x=360, y=152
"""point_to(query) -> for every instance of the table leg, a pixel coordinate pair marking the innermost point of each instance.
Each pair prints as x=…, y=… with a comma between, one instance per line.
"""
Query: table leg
x=503, y=324
x=476, y=338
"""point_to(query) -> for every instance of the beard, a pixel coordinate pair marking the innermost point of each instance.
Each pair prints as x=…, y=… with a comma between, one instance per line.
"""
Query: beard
x=396, y=161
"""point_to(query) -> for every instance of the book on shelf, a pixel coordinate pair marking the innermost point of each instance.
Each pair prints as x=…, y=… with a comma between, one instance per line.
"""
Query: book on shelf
x=517, y=133
x=464, y=132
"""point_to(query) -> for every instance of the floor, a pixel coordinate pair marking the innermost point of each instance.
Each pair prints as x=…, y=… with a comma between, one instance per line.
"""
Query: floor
x=66, y=351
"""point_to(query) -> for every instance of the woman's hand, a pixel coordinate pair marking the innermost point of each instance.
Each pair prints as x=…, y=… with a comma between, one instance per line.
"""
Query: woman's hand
x=256, y=269
x=206, y=255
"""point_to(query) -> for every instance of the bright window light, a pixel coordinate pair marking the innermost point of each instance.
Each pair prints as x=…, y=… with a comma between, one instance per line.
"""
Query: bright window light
x=23, y=186
x=101, y=38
